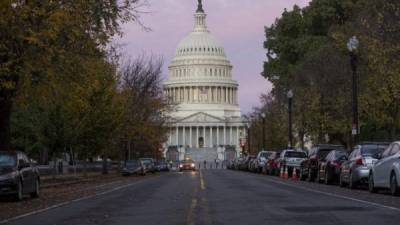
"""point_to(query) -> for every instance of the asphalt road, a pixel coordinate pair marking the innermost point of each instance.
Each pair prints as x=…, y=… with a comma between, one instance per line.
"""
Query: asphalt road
x=221, y=197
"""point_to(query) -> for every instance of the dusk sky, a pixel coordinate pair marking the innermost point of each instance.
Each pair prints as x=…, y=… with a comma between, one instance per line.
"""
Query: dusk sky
x=237, y=24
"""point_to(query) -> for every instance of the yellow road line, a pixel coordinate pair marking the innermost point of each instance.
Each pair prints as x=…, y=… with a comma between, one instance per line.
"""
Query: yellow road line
x=202, y=183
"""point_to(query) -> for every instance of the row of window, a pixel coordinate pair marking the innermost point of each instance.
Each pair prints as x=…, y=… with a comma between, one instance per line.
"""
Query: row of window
x=206, y=72
x=201, y=49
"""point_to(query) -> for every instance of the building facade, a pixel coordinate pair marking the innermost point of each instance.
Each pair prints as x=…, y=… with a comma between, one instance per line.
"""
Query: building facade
x=207, y=123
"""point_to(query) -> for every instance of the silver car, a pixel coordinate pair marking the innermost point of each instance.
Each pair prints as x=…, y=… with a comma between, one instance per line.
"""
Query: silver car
x=385, y=173
x=291, y=159
x=356, y=170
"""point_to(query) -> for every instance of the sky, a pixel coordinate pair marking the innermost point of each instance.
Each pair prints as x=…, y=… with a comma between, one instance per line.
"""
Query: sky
x=237, y=24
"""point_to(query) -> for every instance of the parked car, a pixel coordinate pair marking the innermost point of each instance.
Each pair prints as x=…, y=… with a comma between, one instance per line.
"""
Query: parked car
x=309, y=167
x=244, y=164
x=251, y=166
x=161, y=166
x=187, y=164
x=18, y=176
x=237, y=163
x=329, y=168
x=149, y=164
x=260, y=160
x=291, y=159
x=271, y=166
x=133, y=167
x=356, y=170
x=385, y=173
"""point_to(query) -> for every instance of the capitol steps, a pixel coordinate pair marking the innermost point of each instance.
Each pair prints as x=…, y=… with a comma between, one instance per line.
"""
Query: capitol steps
x=201, y=154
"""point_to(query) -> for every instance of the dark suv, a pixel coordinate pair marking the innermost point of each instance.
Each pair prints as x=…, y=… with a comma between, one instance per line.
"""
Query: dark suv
x=17, y=175
x=309, y=167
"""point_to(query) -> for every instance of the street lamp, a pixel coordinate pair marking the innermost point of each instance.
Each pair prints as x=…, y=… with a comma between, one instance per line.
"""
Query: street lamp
x=248, y=137
x=290, y=98
x=263, y=131
x=352, y=46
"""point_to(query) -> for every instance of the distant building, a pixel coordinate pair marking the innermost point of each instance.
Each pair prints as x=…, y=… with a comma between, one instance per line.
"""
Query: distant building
x=207, y=123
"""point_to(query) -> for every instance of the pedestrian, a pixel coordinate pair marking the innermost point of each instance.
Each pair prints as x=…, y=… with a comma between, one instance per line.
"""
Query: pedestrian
x=216, y=163
x=205, y=164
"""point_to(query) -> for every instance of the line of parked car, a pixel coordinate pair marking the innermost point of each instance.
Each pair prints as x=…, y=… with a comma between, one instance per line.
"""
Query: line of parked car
x=371, y=163
x=143, y=166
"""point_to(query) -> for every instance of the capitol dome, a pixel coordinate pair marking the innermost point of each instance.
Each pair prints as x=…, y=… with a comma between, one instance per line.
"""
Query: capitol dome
x=206, y=123
x=200, y=75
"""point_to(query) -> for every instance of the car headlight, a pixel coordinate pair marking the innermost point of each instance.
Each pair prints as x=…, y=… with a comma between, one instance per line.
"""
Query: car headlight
x=181, y=166
x=192, y=165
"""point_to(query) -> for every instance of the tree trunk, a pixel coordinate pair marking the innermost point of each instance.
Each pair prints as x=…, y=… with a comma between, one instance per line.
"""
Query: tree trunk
x=105, y=165
x=5, y=116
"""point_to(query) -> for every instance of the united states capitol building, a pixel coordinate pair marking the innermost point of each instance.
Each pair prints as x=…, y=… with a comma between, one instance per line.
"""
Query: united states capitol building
x=207, y=123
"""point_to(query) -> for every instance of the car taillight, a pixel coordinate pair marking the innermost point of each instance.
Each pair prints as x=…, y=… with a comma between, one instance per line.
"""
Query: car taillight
x=360, y=162
x=336, y=163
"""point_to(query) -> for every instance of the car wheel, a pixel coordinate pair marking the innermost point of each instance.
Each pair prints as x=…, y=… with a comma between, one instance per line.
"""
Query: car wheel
x=327, y=178
x=318, y=180
x=309, y=176
x=341, y=182
x=352, y=184
x=19, y=195
x=36, y=193
x=394, y=188
x=371, y=184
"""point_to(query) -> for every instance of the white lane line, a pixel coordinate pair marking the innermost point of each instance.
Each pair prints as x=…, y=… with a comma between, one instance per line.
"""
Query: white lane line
x=337, y=196
x=73, y=201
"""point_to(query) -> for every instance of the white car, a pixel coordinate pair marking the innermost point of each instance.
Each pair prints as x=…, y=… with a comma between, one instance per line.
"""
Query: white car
x=385, y=173
x=261, y=160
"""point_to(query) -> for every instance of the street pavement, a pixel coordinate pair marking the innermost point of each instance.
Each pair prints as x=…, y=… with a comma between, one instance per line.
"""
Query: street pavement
x=220, y=196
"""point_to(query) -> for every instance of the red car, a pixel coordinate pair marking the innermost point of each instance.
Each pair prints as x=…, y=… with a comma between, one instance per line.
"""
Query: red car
x=187, y=165
x=330, y=167
x=271, y=166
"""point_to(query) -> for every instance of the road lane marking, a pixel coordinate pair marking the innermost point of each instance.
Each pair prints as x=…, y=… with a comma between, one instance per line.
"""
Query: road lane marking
x=193, y=206
x=334, y=195
x=202, y=183
x=74, y=201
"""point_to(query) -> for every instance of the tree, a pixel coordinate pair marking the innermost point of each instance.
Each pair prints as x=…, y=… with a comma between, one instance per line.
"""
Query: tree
x=39, y=36
x=144, y=125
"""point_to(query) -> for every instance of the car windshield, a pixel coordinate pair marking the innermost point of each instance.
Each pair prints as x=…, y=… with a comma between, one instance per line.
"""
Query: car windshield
x=146, y=161
x=322, y=153
x=187, y=161
x=265, y=154
x=295, y=155
x=132, y=163
x=372, y=150
x=340, y=155
x=7, y=159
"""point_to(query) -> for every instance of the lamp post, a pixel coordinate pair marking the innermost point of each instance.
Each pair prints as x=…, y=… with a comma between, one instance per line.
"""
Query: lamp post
x=263, y=131
x=248, y=138
x=290, y=98
x=352, y=46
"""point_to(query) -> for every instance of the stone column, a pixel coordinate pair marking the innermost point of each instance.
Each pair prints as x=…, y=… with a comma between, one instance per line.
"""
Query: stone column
x=237, y=137
x=177, y=136
x=204, y=136
x=191, y=137
x=211, y=137
x=183, y=135
x=197, y=137
x=226, y=95
x=224, y=134
x=217, y=135
x=230, y=135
